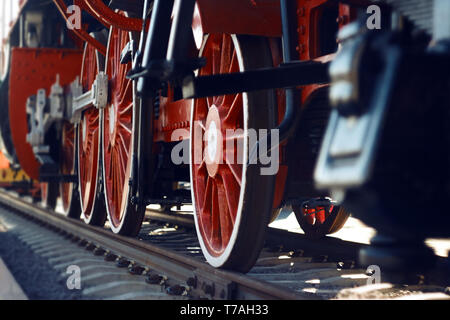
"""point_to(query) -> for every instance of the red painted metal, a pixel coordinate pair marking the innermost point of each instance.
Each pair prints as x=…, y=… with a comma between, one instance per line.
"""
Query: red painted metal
x=174, y=115
x=347, y=14
x=309, y=15
x=117, y=129
x=32, y=69
x=255, y=17
x=88, y=138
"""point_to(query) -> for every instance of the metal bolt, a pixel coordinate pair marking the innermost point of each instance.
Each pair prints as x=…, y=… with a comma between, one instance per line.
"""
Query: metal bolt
x=192, y=282
x=123, y=263
x=111, y=257
x=90, y=246
x=176, y=290
x=136, y=270
x=99, y=251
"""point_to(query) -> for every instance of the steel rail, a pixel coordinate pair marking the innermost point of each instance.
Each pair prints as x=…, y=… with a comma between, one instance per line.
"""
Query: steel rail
x=174, y=265
x=329, y=246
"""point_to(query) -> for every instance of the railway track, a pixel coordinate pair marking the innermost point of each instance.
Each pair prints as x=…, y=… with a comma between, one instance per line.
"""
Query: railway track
x=165, y=262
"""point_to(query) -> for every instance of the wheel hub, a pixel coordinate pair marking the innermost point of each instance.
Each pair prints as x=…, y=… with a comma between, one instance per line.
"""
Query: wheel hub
x=84, y=133
x=214, y=141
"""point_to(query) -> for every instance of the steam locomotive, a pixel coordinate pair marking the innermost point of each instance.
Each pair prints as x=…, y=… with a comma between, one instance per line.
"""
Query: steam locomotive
x=240, y=108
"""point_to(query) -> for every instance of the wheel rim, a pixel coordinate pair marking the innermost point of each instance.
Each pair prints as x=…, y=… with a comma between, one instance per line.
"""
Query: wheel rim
x=217, y=175
x=118, y=132
x=67, y=164
x=88, y=139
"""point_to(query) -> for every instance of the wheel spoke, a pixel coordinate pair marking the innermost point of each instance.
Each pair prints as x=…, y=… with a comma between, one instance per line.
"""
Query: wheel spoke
x=234, y=111
x=120, y=165
x=236, y=170
x=125, y=126
x=236, y=137
x=201, y=124
x=124, y=145
x=210, y=102
x=125, y=91
x=230, y=187
x=215, y=216
x=233, y=63
x=226, y=222
x=215, y=59
x=126, y=109
x=207, y=194
x=225, y=54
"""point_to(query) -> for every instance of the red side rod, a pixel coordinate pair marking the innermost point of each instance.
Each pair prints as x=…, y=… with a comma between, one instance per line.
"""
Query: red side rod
x=80, y=32
x=108, y=17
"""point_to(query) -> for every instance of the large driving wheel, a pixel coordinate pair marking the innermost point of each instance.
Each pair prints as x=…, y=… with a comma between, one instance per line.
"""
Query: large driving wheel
x=120, y=139
x=89, y=135
x=68, y=191
x=232, y=201
x=320, y=219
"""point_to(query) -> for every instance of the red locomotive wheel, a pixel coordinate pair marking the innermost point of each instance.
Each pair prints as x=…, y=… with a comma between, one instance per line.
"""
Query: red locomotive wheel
x=319, y=221
x=89, y=144
x=232, y=201
x=119, y=144
x=49, y=195
x=68, y=192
